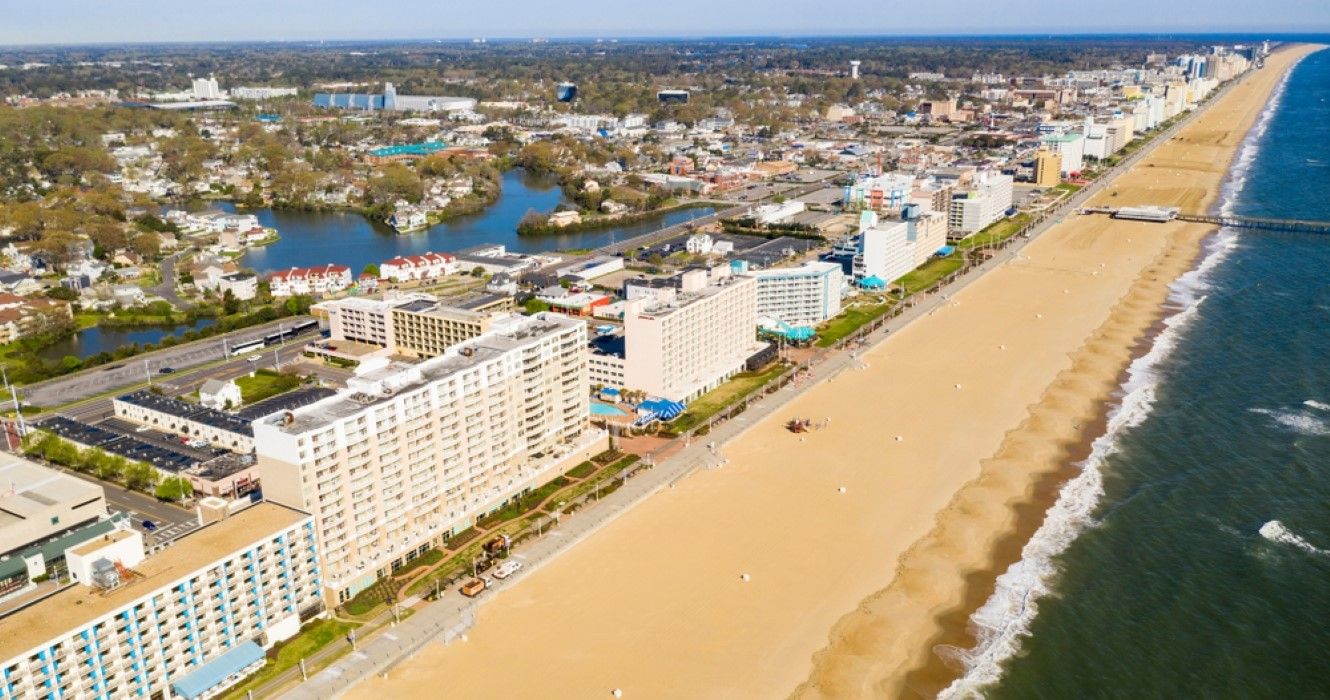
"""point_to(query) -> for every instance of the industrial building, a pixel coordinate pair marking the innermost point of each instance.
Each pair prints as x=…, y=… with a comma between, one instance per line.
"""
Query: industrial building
x=186, y=622
x=390, y=101
x=409, y=454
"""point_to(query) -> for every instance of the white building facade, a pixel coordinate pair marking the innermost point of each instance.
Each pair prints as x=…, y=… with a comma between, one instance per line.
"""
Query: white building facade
x=408, y=455
x=804, y=295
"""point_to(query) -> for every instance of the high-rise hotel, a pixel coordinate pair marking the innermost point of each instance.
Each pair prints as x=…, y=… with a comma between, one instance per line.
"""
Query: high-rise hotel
x=409, y=454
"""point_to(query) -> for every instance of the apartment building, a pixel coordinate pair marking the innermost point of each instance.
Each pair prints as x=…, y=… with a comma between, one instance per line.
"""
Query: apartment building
x=186, y=622
x=326, y=279
x=1070, y=148
x=804, y=295
x=1047, y=168
x=680, y=342
x=428, y=328
x=985, y=203
x=409, y=454
x=424, y=267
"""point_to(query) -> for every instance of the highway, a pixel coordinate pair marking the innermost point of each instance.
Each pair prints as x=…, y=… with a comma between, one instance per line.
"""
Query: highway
x=135, y=370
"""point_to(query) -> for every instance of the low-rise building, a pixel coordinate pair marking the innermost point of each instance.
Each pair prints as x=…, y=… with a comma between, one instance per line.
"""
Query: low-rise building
x=242, y=285
x=173, y=415
x=417, y=268
x=315, y=281
x=220, y=395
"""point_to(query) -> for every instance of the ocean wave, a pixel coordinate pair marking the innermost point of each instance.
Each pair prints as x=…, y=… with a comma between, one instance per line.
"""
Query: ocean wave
x=1275, y=531
x=1312, y=403
x=1004, y=620
x=1300, y=422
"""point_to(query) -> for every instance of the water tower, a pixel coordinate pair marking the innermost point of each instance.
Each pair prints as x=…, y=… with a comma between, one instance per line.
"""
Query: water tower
x=854, y=70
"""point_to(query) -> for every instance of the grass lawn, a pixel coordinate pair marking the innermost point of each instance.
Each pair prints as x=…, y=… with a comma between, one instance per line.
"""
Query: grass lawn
x=582, y=470
x=929, y=273
x=312, y=638
x=716, y=400
x=265, y=383
x=522, y=504
x=995, y=233
x=850, y=320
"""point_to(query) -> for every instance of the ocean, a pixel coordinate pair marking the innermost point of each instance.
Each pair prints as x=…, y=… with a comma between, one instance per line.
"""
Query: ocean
x=1190, y=557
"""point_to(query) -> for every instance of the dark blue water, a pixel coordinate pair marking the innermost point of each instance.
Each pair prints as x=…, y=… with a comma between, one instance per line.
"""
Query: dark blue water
x=310, y=238
x=1204, y=568
x=90, y=341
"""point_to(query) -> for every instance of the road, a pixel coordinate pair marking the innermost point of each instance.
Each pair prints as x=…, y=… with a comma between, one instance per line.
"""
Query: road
x=166, y=289
x=137, y=369
x=187, y=381
x=171, y=521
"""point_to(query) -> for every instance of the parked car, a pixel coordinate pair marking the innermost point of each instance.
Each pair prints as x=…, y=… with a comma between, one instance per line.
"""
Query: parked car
x=473, y=588
x=166, y=370
x=507, y=569
x=149, y=525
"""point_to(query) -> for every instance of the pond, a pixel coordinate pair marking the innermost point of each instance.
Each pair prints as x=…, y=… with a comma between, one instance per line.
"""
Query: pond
x=90, y=341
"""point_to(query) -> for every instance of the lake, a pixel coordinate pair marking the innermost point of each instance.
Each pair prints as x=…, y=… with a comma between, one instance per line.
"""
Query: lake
x=316, y=238
x=90, y=341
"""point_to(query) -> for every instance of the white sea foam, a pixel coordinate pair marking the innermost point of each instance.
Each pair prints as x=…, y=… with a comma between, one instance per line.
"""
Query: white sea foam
x=1003, y=621
x=1275, y=531
x=1301, y=422
x=1312, y=403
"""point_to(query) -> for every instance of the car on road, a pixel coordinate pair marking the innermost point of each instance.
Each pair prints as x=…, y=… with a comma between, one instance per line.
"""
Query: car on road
x=253, y=358
x=166, y=370
x=149, y=525
x=507, y=569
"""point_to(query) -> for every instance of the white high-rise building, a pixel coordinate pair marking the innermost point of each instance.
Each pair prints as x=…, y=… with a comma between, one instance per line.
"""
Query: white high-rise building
x=1070, y=146
x=804, y=295
x=186, y=622
x=684, y=340
x=985, y=203
x=409, y=454
x=207, y=89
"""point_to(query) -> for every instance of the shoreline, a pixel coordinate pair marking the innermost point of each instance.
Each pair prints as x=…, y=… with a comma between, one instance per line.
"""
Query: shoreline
x=939, y=659
x=820, y=524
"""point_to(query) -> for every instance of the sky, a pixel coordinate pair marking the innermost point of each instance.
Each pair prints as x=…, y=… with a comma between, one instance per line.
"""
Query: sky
x=132, y=21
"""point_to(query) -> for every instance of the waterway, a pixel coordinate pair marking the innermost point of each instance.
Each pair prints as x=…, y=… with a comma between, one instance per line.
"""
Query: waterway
x=315, y=238
x=91, y=341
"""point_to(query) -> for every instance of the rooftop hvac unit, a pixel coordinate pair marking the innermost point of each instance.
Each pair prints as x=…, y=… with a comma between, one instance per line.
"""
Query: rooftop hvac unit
x=105, y=574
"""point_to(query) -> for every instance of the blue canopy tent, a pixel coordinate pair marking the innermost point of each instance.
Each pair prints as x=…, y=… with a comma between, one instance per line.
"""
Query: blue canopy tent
x=945, y=250
x=872, y=282
x=663, y=409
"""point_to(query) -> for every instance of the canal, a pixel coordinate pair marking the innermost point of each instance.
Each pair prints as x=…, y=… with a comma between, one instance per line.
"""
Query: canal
x=90, y=341
x=316, y=238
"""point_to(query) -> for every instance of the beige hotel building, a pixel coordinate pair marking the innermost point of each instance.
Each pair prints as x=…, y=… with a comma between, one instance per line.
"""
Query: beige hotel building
x=410, y=454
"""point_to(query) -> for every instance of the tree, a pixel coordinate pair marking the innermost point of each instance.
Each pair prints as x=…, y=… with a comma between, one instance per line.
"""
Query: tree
x=113, y=468
x=477, y=272
x=230, y=304
x=141, y=476
x=393, y=182
x=534, y=306
x=174, y=488
x=370, y=269
x=148, y=245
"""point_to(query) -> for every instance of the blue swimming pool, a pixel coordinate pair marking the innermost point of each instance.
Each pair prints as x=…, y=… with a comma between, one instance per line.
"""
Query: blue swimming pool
x=604, y=409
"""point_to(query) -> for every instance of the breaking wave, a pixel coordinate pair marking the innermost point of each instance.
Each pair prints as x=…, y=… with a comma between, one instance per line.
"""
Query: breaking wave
x=1275, y=531
x=1003, y=621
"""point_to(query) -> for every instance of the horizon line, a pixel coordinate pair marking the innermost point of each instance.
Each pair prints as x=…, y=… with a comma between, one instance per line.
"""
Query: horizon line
x=601, y=38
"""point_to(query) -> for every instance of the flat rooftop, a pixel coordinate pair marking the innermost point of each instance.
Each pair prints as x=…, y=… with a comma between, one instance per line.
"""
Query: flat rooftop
x=58, y=615
x=508, y=333
x=30, y=489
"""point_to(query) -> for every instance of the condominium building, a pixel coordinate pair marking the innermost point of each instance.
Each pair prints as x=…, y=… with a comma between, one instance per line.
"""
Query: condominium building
x=326, y=279
x=889, y=250
x=979, y=207
x=683, y=340
x=1047, y=168
x=188, y=621
x=1070, y=148
x=426, y=329
x=804, y=295
x=409, y=454
x=364, y=320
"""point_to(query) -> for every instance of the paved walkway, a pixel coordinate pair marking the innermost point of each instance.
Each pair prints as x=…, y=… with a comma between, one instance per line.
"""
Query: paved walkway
x=450, y=617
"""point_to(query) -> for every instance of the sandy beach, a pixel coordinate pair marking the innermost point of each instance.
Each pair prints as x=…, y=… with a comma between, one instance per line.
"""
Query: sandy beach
x=945, y=445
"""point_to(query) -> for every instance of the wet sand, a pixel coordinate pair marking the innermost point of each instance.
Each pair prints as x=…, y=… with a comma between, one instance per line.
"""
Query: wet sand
x=987, y=396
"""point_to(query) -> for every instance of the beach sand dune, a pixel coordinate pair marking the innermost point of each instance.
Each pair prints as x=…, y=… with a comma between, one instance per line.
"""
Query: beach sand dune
x=989, y=396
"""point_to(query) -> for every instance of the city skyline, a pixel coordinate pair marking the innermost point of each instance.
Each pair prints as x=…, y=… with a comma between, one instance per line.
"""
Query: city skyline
x=66, y=22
